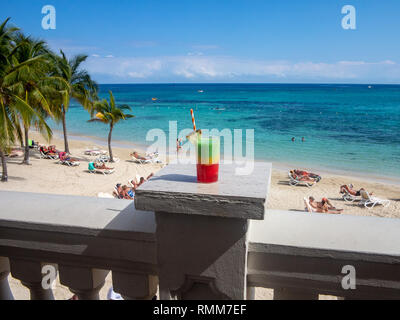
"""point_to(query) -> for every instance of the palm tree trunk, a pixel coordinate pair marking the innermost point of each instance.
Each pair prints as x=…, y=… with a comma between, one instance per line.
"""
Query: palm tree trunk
x=109, y=143
x=26, y=153
x=4, y=175
x=66, y=148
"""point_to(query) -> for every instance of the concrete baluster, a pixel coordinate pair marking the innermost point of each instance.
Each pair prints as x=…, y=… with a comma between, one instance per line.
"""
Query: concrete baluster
x=5, y=291
x=84, y=282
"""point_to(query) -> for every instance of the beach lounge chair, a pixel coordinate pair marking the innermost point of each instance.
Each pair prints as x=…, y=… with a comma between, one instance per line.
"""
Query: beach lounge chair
x=105, y=158
x=48, y=156
x=369, y=202
x=70, y=163
x=95, y=152
x=295, y=181
x=141, y=161
x=92, y=169
x=346, y=196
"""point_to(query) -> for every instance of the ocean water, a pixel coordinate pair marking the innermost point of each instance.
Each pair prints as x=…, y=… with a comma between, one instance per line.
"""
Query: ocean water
x=351, y=128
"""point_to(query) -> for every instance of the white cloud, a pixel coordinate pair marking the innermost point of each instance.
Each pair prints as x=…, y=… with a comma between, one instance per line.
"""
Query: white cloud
x=222, y=68
x=110, y=56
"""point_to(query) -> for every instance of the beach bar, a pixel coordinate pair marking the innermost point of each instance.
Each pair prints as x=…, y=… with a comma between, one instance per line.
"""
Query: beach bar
x=184, y=240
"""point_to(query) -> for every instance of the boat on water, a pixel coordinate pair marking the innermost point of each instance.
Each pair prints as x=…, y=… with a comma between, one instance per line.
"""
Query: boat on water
x=154, y=99
x=200, y=91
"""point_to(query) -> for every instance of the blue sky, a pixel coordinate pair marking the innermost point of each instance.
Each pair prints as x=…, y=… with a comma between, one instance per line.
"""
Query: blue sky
x=145, y=41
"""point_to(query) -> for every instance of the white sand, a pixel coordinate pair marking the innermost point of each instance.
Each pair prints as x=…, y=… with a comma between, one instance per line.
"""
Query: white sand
x=46, y=176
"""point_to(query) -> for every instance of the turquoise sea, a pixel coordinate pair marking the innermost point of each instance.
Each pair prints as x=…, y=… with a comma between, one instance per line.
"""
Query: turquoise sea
x=351, y=128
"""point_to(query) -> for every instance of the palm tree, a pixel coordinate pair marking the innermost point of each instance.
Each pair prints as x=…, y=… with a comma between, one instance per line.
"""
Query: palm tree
x=30, y=83
x=80, y=86
x=110, y=113
x=12, y=107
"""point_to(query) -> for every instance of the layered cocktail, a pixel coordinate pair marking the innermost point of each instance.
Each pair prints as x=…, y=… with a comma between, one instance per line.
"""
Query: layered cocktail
x=207, y=156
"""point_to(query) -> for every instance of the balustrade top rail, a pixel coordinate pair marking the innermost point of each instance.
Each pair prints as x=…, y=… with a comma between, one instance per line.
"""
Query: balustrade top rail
x=345, y=233
x=307, y=252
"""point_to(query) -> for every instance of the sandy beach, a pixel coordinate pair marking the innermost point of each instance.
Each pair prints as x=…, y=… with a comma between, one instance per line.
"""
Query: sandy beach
x=47, y=176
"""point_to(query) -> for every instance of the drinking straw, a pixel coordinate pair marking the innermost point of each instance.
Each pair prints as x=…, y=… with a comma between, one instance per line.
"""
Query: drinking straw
x=194, y=123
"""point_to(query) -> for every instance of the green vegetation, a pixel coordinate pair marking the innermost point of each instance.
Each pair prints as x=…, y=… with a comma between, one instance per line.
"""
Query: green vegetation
x=36, y=85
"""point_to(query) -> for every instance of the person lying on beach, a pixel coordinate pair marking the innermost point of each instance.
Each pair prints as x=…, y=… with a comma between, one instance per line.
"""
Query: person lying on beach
x=63, y=156
x=16, y=153
x=138, y=156
x=101, y=166
x=141, y=181
x=350, y=190
x=125, y=192
x=48, y=151
x=302, y=177
x=118, y=191
x=308, y=174
x=325, y=206
x=52, y=149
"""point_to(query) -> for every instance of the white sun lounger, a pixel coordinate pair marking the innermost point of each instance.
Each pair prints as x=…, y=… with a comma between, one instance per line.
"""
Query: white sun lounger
x=369, y=202
x=142, y=161
x=95, y=152
x=296, y=182
x=104, y=172
x=70, y=163
x=105, y=158
x=349, y=197
x=48, y=156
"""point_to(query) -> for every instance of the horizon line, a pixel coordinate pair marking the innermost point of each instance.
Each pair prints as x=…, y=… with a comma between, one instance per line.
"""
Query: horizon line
x=256, y=83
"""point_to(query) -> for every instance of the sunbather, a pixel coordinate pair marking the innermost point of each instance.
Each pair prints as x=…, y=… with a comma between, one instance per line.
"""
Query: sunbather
x=141, y=181
x=101, y=166
x=52, y=149
x=48, y=151
x=307, y=174
x=16, y=153
x=118, y=191
x=350, y=190
x=301, y=177
x=138, y=156
x=325, y=206
x=127, y=193
x=63, y=156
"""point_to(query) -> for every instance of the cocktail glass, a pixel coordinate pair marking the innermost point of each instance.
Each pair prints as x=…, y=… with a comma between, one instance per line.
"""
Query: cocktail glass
x=207, y=157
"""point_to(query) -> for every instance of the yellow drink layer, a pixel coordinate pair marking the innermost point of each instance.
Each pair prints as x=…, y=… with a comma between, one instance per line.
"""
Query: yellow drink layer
x=208, y=150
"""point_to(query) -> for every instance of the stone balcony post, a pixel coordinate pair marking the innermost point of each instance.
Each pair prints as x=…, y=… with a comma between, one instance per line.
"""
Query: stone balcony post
x=202, y=229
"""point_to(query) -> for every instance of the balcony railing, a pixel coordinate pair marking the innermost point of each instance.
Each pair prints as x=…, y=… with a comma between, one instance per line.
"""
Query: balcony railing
x=195, y=241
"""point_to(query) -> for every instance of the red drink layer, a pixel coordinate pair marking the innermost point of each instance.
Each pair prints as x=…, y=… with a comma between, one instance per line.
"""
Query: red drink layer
x=207, y=173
